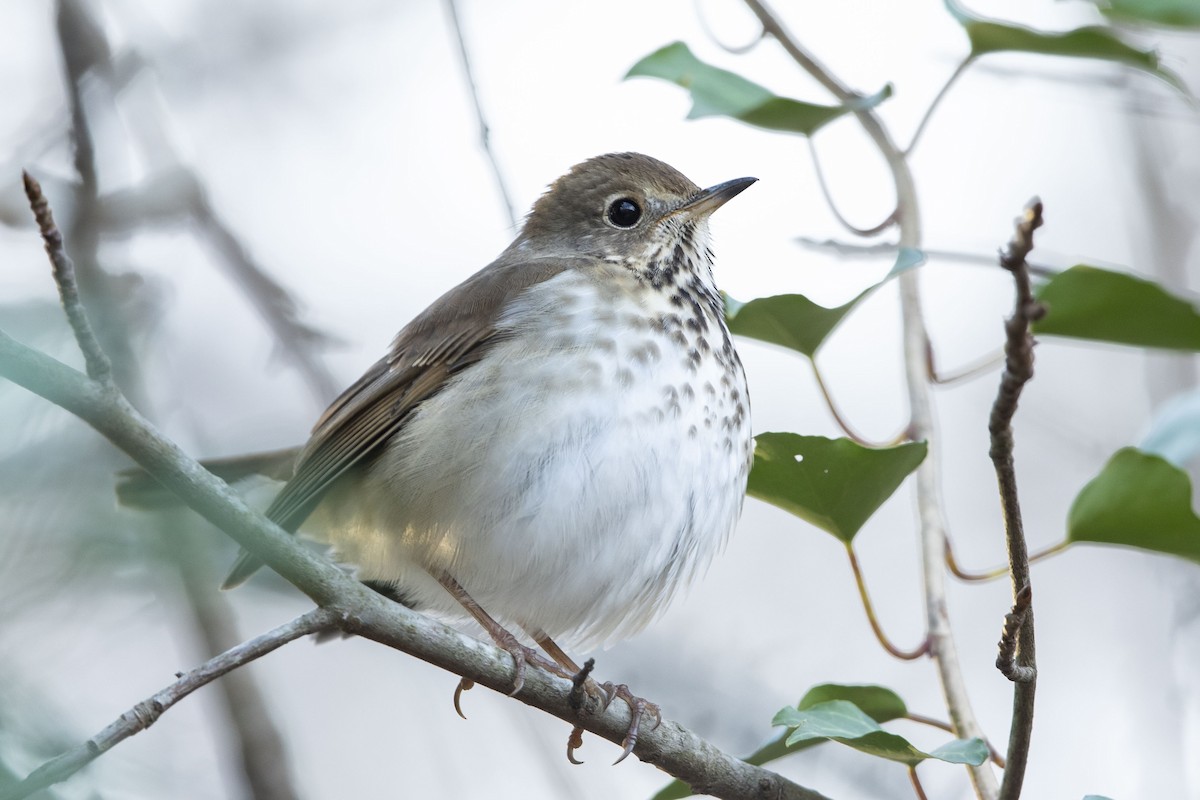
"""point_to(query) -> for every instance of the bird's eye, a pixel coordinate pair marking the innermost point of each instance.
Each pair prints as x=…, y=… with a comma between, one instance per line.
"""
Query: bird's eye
x=624, y=212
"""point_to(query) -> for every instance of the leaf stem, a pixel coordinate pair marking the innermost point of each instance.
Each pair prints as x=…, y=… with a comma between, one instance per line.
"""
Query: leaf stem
x=876, y=628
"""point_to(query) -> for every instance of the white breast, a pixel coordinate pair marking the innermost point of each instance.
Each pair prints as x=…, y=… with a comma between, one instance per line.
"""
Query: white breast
x=574, y=478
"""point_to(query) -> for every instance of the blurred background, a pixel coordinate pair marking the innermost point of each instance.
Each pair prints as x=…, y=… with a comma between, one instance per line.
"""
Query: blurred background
x=271, y=190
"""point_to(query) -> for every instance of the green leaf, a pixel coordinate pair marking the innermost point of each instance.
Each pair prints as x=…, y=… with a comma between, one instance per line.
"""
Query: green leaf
x=877, y=702
x=719, y=93
x=1091, y=303
x=835, y=484
x=1167, y=13
x=789, y=320
x=1137, y=500
x=990, y=36
x=844, y=722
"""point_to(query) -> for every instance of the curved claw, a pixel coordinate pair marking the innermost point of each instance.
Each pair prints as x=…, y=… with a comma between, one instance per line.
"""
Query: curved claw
x=518, y=657
x=574, y=742
x=637, y=709
x=463, y=685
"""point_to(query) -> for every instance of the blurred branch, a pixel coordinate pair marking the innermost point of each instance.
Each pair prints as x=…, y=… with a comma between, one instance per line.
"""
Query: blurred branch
x=485, y=138
x=147, y=712
x=937, y=100
x=888, y=221
x=276, y=306
x=930, y=513
x=1018, y=635
x=263, y=754
x=736, y=50
x=855, y=249
x=356, y=608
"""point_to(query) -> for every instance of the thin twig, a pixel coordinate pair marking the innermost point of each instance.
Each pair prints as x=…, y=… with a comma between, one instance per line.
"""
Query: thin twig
x=1018, y=369
x=736, y=50
x=485, y=137
x=965, y=372
x=999, y=572
x=888, y=221
x=99, y=368
x=261, y=751
x=937, y=100
x=858, y=249
x=147, y=712
x=876, y=628
x=841, y=421
x=930, y=512
x=916, y=783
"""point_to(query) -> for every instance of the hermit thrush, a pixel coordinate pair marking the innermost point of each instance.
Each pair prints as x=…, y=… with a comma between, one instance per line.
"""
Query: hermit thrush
x=560, y=442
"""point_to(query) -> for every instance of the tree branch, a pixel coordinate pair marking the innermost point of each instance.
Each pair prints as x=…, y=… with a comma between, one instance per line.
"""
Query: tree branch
x=147, y=712
x=930, y=512
x=1018, y=638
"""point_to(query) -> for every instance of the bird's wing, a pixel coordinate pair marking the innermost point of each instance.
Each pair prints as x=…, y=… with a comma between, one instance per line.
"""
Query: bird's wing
x=450, y=335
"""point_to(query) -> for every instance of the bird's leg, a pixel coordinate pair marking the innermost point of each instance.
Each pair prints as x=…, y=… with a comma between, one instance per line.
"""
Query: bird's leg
x=500, y=635
x=638, y=707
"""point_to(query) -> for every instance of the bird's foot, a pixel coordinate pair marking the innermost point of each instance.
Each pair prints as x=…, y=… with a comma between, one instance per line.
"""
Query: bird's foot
x=521, y=656
x=584, y=688
x=639, y=708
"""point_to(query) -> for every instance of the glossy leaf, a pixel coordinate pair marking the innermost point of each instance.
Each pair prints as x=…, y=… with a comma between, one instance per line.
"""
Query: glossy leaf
x=1167, y=13
x=834, y=484
x=789, y=320
x=720, y=93
x=1091, y=303
x=844, y=722
x=1138, y=500
x=875, y=701
x=991, y=36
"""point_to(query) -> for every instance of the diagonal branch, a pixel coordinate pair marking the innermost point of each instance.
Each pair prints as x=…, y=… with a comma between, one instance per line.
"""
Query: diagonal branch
x=147, y=712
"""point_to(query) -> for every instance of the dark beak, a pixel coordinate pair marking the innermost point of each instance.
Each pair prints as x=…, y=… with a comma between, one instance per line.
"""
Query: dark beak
x=712, y=198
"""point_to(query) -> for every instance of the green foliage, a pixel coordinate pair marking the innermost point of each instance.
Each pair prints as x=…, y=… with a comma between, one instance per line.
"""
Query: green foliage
x=719, y=93
x=1138, y=500
x=989, y=36
x=1091, y=303
x=842, y=721
x=878, y=703
x=835, y=484
x=1168, y=13
x=789, y=320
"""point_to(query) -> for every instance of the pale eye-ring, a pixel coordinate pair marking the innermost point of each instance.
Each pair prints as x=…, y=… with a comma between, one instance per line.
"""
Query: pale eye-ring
x=624, y=212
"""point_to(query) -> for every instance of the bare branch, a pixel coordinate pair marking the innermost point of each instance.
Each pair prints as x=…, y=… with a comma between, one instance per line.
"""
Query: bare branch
x=485, y=136
x=147, y=712
x=1018, y=635
x=99, y=368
